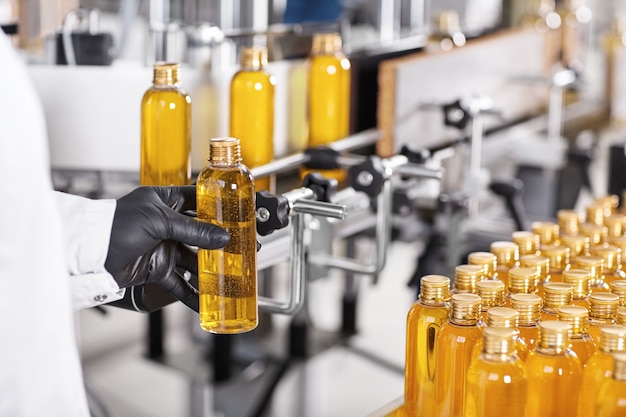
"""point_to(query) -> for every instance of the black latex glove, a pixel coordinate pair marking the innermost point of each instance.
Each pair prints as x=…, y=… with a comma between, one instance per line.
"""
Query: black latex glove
x=148, y=236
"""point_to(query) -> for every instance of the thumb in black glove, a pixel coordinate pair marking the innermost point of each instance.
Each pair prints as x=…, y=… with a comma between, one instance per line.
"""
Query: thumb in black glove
x=144, y=219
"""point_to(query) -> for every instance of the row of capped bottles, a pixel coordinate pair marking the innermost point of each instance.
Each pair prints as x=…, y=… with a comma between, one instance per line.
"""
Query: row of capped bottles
x=563, y=306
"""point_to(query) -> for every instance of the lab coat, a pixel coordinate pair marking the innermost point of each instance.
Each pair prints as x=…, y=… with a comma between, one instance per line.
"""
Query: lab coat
x=52, y=252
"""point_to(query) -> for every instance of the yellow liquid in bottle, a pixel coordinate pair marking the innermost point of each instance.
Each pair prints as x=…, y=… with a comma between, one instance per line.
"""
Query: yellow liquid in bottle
x=529, y=335
x=599, y=367
x=252, y=119
x=165, y=137
x=552, y=382
x=455, y=348
x=329, y=104
x=227, y=277
x=583, y=346
x=611, y=399
x=495, y=388
x=423, y=324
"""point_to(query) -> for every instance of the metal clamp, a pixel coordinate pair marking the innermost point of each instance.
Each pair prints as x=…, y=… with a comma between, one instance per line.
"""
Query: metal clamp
x=301, y=201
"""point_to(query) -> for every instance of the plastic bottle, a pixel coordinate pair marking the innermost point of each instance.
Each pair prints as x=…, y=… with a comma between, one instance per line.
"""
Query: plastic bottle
x=554, y=373
x=424, y=321
x=329, y=95
x=491, y=293
x=559, y=257
x=619, y=287
x=521, y=280
x=595, y=266
x=578, y=245
x=556, y=295
x=541, y=265
x=602, y=312
x=611, y=400
x=507, y=254
x=527, y=242
x=582, y=343
x=569, y=222
x=579, y=280
x=599, y=367
x=252, y=112
x=455, y=342
x=496, y=379
x=529, y=308
x=612, y=266
x=548, y=233
x=165, y=130
x=508, y=318
x=466, y=277
x=487, y=260
x=227, y=277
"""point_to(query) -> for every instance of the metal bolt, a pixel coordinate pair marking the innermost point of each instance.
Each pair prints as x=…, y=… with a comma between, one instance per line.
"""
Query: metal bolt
x=365, y=178
x=263, y=214
x=455, y=115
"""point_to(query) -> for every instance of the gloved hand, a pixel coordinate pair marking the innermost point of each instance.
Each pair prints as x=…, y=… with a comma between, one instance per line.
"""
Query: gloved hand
x=148, y=240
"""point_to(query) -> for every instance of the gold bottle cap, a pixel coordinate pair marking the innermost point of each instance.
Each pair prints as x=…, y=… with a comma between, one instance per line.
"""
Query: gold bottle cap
x=612, y=339
x=619, y=287
x=554, y=335
x=569, y=221
x=528, y=306
x=254, y=57
x=491, y=293
x=434, y=288
x=224, y=151
x=618, y=242
x=166, y=73
x=487, y=260
x=596, y=233
x=620, y=317
x=499, y=341
x=540, y=263
x=603, y=305
x=577, y=317
x=614, y=225
x=593, y=264
x=466, y=277
x=522, y=280
x=326, y=43
x=502, y=317
x=611, y=255
x=595, y=214
x=465, y=308
x=556, y=295
x=578, y=245
x=507, y=253
x=548, y=232
x=619, y=367
x=558, y=256
x=579, y=279
x=609, y=202
x=527, y=242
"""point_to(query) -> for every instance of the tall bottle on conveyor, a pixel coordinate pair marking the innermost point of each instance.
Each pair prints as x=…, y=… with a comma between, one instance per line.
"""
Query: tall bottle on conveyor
x=165, y=130
x=424, y=320
x=328, y=96
x=252, y=111
x=227, y=277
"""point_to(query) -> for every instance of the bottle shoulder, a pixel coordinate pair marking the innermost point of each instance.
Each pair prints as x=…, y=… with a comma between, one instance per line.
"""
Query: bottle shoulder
x=166, y=93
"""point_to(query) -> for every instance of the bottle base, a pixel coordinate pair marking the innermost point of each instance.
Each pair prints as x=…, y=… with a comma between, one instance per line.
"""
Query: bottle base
x=229, y=326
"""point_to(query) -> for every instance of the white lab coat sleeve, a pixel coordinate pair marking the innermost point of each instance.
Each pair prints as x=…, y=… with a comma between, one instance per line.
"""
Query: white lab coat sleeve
x=87, y=229
x=40, y=371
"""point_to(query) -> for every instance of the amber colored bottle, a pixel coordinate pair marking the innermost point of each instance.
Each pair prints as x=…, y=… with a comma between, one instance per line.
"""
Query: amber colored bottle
x=620, y=316
x=614, y=225
x=579, y=280
x=529, y=308
x=602, y=311
x=507, y=255
x=521, y=280
x=252, y=111
x=455, y=342
x=559, y=257
x=578, y=245
x=569, y=222
x=611, y=400
x=595, y=266
x=329, y=95
x=424, y=321
x=466, y=277
x=527, y=242
x=165, y=130
x=556, y=295
x=581, y=341
x=619, y=287
x=594, y=232
x=227, y=277
x=496, y=379
x=542, y=265
x=612, y=267
x=508, y=318
x=491, y=293
x=554, y=373
x=548, y=233
x=599, y=367
x=487, y=260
